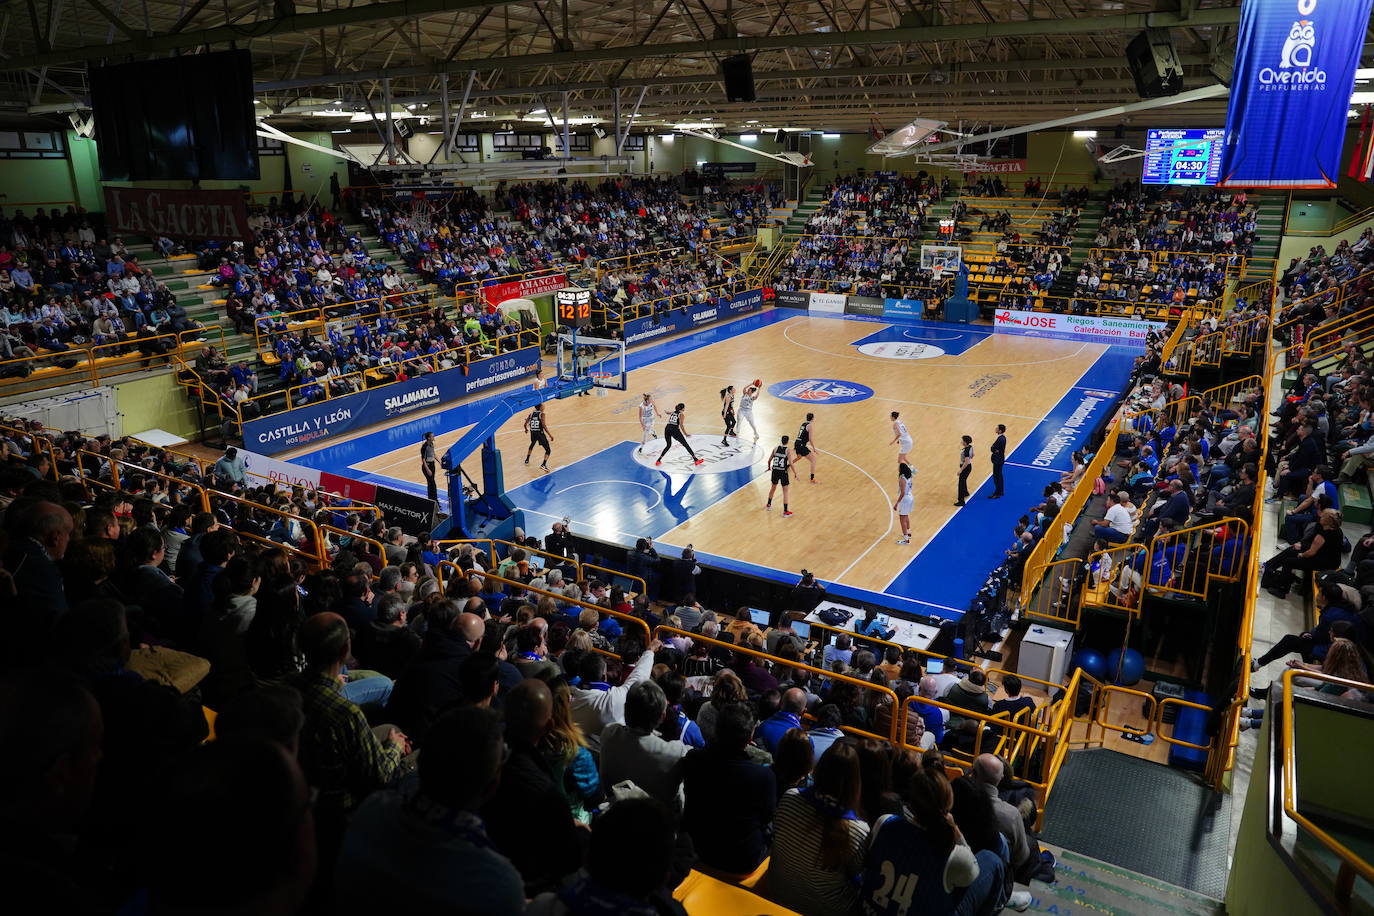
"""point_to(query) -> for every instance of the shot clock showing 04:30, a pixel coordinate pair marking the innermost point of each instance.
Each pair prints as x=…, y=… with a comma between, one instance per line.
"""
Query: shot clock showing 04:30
x=574, y=307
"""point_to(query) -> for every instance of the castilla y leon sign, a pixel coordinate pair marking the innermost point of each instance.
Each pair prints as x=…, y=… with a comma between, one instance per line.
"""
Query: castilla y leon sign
x=177, y=214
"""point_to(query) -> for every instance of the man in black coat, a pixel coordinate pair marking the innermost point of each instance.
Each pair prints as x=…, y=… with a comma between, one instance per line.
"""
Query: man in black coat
x=386, y=644
x=432, y=682
x=39, y=532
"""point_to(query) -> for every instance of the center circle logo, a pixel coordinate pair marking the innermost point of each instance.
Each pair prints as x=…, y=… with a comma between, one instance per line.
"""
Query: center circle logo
x=737, y=456
x=820, y=391
x=897, y=349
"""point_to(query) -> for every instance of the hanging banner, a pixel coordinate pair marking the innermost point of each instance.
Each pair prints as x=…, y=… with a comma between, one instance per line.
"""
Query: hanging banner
x=1290, y=97
x=177, y=214
x=994, y=165
x=497, y=293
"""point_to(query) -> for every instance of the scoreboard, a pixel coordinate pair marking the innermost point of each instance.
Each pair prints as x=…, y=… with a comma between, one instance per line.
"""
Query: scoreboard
x=1195, y=158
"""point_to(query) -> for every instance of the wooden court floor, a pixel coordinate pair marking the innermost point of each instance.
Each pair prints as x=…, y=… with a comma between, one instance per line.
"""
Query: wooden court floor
x=844, y=528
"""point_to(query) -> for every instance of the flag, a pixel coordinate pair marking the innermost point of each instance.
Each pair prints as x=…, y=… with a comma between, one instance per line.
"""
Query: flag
x=1290, y=96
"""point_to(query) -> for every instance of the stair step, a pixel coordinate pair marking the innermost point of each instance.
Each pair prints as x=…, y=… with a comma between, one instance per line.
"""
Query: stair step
x=1102, y=888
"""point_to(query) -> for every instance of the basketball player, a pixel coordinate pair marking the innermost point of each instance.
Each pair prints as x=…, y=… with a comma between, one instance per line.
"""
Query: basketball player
x=647, y=411
x=805, y=446
x=900, y=438
x=674, y=432
x=746, y=406
x=905, y=501
x=538, y=428
x=727, y=413
x=777, y=462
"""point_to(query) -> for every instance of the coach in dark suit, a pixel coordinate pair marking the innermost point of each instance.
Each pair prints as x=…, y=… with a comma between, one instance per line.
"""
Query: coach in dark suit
x=999, y=458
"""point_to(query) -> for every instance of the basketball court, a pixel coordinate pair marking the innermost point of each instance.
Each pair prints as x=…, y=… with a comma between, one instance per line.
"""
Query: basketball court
x=851, y=372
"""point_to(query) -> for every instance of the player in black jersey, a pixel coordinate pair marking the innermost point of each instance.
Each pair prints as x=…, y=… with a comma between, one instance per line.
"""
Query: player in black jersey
x=727, y=413
x=805, y=446
x=777, y=463
x=538, y=428
x=673, y=432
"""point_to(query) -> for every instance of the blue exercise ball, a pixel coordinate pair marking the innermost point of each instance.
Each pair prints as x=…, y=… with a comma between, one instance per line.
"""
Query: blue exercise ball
x=1092, y=663
x=1132, y=667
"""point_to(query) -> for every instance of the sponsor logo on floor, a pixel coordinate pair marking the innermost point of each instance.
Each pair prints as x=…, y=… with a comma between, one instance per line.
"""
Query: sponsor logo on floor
x=820, y=391
x=716, y=458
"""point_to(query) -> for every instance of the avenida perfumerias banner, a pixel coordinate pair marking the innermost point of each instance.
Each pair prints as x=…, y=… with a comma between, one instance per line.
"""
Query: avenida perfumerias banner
x=1290, y=96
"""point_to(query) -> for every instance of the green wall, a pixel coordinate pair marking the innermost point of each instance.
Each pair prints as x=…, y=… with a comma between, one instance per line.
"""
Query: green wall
x=155, y=402
x=1260, y=883
x=77, y=178
x=1057, y=157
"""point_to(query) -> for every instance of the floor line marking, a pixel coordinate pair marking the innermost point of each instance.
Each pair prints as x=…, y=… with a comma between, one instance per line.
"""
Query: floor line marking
x=587, y=529
x=907, y=335
x=1033, y=467
x=501, y=432
x=658, y=497
x=890, y=516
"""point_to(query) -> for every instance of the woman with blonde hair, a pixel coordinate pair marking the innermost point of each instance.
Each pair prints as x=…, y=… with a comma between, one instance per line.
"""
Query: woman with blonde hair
x=564, y=748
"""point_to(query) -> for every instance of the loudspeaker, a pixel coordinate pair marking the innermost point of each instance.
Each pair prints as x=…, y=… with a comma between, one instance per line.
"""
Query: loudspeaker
x=780, y=137
x=1154, y=64
x=738, y=75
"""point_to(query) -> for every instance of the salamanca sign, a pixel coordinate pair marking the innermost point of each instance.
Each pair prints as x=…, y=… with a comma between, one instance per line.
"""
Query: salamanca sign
x=177, y=214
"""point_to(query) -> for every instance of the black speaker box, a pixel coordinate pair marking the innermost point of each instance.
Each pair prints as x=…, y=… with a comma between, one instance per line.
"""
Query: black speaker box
x=738, y=75
x=1154, y=64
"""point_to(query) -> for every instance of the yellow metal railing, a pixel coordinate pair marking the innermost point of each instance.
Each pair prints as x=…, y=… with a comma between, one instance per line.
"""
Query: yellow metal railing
x=317, y=317
x=319, y=389
x=1115, y=589
x=1352, y=863
x=103, y=363
x=1044, y=551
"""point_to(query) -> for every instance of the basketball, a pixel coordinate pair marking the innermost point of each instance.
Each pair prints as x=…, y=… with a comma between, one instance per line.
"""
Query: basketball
x=758, y=383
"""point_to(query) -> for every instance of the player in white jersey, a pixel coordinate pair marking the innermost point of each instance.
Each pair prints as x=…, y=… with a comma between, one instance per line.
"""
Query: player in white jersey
x=906, y=501
x=900, y=438
x=648, y=410
x=777, y=464
x=746, y=406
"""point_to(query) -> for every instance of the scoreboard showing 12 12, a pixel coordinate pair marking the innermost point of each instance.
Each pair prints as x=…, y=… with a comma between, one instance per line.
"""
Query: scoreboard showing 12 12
x=573, y=306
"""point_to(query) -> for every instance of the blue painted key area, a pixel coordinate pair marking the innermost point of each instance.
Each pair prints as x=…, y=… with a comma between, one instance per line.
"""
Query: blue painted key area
x=952, y=338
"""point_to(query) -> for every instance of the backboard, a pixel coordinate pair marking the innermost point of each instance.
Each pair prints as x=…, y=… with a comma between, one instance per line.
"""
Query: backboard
x=601, y=359
x=941, y=260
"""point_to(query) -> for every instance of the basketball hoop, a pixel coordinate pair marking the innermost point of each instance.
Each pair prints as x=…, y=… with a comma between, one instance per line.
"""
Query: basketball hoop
x=941, y=260
x=600, y=382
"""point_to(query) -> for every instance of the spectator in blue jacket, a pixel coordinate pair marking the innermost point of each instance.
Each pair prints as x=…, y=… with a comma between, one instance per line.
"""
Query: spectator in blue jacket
x=788, y=716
